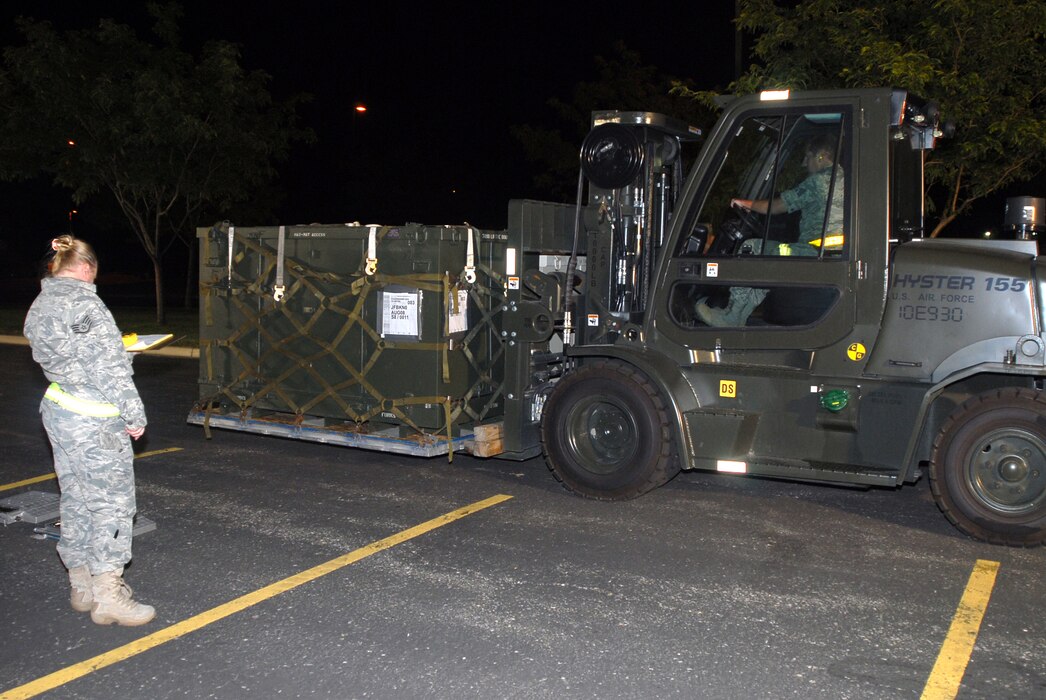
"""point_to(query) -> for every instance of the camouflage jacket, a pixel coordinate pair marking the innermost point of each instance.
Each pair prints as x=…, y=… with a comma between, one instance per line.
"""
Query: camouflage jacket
x=810, y=197
x=75, y=340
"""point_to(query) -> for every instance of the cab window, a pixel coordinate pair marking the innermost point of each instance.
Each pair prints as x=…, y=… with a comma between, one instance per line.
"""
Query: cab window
x=780, y=190
x=780, y=193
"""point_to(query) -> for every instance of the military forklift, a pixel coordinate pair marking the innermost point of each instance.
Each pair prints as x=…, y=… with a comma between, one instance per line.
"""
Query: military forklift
x=865, y=354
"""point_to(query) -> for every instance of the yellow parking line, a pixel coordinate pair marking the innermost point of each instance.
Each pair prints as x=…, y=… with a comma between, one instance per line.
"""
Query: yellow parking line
x=165, y=450
x=26, y=482
x=70, y=673
x=947, y=673
x=46, y=477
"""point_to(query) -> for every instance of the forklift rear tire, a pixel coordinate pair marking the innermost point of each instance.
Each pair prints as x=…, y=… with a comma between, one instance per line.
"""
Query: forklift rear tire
x=988, y=469
x=606, y=433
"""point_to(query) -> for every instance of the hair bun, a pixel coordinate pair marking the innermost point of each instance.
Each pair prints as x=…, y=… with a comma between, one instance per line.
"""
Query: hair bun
x=63, y=242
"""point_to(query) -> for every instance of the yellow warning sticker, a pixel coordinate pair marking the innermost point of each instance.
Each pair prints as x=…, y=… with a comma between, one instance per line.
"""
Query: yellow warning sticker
x=856, y=351
x=728, y=388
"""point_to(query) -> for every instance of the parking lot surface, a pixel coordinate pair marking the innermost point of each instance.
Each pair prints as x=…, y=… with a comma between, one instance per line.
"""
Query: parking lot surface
x=287, y=569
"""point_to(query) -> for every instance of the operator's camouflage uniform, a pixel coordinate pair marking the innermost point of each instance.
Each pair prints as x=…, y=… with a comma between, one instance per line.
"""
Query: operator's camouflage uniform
x=810, y=197
x=79, y=347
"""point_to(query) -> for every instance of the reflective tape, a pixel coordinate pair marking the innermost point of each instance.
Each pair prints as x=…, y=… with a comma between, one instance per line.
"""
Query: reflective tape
x=95, y=409
x=832, y=240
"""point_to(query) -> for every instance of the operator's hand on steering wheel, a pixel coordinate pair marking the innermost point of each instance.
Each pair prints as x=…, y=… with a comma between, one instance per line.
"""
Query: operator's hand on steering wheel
x=750, y=222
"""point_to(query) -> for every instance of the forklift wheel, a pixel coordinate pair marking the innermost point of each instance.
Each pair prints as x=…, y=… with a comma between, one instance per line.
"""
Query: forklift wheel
x=606, y=433
x=988, y=469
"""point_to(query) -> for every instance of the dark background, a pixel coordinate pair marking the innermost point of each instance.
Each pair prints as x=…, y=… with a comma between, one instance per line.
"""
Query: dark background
x=443, y=84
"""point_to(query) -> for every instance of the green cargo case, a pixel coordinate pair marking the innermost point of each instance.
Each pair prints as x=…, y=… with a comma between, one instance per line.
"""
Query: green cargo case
x=370, y=332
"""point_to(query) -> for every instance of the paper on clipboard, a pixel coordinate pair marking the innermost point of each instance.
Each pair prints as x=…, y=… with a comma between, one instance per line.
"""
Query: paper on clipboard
x=133, y=342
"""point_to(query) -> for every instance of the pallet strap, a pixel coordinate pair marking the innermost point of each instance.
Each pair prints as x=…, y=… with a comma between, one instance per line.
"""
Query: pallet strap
x=470, y=259
x=372, y=252
x=232, y=242
x=279, y=288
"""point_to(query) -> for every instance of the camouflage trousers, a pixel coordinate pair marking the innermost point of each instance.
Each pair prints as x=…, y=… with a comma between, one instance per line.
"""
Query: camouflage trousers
x=95, y=466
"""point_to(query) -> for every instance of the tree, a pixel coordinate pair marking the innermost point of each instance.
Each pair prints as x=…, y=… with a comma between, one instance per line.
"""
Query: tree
x=624, y=83
x=982, y=61
x=167, y=134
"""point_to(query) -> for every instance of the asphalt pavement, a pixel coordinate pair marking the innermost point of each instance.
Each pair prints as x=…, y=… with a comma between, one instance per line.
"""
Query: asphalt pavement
x=287, y=569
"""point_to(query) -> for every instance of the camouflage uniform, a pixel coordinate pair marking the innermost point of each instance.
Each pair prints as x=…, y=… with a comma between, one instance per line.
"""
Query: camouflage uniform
x=75, y=340
x=810, y=197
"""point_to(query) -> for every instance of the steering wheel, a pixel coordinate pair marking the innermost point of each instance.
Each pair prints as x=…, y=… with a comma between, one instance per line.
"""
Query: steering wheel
x=751, y=225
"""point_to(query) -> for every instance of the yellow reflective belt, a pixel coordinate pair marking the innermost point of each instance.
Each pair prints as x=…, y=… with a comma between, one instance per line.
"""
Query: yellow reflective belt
x=96, y=409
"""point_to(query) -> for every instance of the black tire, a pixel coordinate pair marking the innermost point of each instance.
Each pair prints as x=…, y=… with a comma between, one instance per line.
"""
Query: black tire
x=988, y=468
x=606, y=433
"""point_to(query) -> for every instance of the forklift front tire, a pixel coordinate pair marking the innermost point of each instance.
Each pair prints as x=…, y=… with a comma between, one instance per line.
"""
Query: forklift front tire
x=606, y=433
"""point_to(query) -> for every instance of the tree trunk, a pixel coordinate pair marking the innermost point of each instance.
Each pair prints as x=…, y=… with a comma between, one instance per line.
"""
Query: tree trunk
x=161, y=313
x=190, y=273
x=945, y=220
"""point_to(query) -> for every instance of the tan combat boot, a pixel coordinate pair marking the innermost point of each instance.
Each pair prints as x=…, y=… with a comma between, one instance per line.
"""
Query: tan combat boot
x=80, y=597
x=113, y=603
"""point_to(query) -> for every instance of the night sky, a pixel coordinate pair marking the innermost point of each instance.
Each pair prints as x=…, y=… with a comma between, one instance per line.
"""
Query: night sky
x=443, y=84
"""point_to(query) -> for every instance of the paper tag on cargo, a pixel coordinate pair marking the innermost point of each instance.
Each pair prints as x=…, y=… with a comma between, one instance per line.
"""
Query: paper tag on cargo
x=399, y=313
x=459, y=322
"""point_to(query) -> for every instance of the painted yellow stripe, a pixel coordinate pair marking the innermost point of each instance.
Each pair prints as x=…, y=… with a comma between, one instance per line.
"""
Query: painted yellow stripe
x=164, y=451
x=26, y=482
x=71, y=673
x=46, y=477
x=947, y=673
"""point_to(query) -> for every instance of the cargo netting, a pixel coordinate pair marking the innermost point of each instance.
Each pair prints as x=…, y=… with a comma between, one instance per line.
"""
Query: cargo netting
x=273, y=345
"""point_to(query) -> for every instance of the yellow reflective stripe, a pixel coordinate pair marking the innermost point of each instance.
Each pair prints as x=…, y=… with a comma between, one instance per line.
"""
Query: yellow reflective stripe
x=96, y=409
x=830, y=241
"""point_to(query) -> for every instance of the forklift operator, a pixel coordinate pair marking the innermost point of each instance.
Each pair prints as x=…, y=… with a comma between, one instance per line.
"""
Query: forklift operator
x=809, y=198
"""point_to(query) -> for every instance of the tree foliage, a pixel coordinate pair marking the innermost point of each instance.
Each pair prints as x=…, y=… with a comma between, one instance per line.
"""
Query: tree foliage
x=169, y=135
x=982, y=61
x=623, y=83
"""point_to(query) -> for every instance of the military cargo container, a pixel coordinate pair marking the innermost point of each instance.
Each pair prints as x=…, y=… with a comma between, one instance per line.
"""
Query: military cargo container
x=391, y=337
